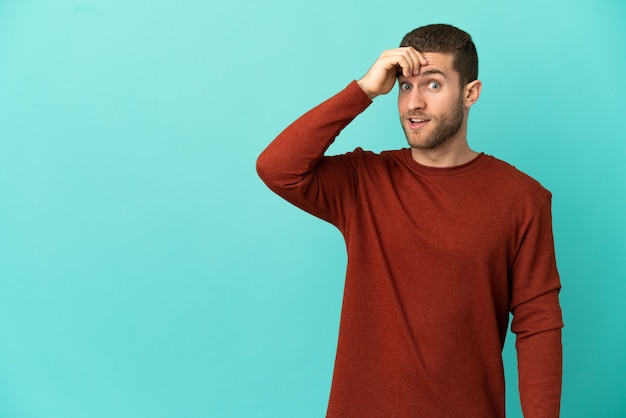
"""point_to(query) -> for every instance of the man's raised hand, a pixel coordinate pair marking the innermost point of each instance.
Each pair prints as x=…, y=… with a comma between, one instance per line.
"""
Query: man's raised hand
x=381, y=77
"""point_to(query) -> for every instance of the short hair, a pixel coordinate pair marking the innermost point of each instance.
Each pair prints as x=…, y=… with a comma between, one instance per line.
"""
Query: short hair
x=447, y=39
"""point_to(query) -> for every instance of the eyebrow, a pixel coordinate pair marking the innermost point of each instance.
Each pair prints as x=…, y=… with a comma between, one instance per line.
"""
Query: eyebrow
x=425, y=73
x=433, y=71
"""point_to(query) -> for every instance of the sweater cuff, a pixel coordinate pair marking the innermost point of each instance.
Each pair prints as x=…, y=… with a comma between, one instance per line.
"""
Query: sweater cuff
x=357, y=92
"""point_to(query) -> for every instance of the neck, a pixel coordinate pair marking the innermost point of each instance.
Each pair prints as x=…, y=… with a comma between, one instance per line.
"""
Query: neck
x=452, y=153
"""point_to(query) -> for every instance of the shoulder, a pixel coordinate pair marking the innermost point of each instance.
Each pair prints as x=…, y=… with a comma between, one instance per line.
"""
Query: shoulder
x=512, y=178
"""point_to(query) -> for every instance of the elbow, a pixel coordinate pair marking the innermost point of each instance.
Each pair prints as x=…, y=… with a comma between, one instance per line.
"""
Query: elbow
x=264, y=168
x=268, y=168
x=279, y=171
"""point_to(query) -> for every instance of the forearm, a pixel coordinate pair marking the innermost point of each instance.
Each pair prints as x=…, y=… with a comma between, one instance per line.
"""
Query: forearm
x=294, y=153
x=540, y=374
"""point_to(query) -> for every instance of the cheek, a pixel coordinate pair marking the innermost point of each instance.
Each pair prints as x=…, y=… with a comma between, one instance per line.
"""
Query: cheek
x=445, y=100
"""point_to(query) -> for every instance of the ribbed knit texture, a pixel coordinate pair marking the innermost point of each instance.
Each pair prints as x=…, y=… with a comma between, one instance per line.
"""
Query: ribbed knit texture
x=437, y=258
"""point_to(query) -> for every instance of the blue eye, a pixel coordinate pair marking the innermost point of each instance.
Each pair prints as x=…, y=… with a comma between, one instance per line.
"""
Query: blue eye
x=405, y=86
x=433, y=85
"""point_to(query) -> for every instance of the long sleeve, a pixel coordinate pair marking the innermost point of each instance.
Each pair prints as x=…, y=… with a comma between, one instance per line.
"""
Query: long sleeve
x=537, y=319
x=293, y=165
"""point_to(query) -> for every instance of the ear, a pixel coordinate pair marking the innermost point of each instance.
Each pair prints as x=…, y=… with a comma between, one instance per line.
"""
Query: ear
x=471, y=93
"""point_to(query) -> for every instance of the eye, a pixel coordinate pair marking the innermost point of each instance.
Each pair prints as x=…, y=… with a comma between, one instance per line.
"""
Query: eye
x=434, y=85
x=405, y=86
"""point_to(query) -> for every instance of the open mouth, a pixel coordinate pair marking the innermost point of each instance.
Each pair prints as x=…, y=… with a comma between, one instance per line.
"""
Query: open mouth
x=417, y=123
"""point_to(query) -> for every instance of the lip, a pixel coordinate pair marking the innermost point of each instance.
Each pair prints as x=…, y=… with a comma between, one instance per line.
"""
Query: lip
x=416, y=123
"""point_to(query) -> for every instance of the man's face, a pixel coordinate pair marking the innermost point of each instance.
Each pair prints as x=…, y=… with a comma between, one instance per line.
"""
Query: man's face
x=431, y=103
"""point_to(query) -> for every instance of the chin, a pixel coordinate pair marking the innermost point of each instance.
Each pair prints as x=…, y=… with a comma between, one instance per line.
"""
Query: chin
x=426, y=143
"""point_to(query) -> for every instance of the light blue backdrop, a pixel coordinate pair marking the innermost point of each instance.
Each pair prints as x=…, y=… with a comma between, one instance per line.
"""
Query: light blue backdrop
x=145, y=270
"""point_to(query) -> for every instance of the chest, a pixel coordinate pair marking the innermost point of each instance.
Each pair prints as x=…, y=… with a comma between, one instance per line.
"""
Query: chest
x=460, y=219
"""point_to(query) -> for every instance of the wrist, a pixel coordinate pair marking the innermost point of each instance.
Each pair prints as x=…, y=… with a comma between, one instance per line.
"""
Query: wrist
x=367, y=91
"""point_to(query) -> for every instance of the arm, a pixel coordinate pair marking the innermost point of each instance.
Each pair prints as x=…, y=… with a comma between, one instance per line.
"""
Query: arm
x=294, y=166
x=537, y=319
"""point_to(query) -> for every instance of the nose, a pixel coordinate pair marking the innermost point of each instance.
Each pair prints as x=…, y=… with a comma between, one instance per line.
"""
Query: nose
x=415, y=100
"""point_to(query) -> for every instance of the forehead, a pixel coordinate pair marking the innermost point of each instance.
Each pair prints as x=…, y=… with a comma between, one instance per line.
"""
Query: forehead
x=439, y=61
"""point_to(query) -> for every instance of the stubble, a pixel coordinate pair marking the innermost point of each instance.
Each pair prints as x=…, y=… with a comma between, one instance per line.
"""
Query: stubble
x=444, y=128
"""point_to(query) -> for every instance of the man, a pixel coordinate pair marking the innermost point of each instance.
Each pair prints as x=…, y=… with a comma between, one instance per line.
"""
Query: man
x=443, y=242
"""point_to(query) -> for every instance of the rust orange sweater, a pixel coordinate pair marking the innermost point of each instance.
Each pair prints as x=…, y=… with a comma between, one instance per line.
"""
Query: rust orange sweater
x=437, y=258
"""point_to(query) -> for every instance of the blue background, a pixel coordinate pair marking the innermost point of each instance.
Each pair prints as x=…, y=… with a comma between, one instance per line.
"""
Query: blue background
x=145, y=270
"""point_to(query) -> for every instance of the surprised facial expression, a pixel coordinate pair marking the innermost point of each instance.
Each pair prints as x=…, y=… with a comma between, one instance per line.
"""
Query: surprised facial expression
x=431, y=103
